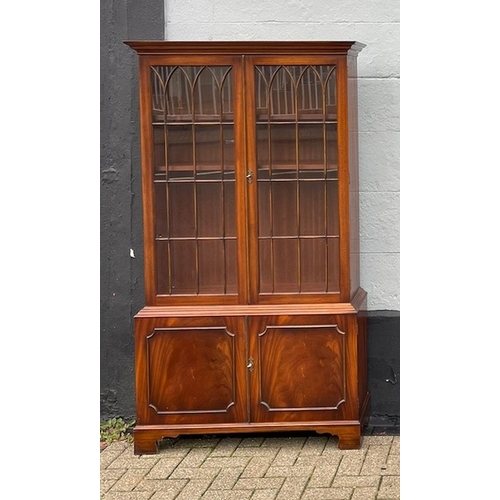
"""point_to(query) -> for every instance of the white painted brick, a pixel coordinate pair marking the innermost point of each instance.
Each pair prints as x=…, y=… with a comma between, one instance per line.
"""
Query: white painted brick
x=379, y=222
x=379, y=161
x=380, y=57
x=378, y=104
x=233, y=11
x=180, y=11
x=380, y=279
x=372, y=22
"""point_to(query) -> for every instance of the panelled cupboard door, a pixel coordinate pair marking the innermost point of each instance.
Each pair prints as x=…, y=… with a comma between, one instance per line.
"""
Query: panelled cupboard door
x=301, y=369
x=191, y=370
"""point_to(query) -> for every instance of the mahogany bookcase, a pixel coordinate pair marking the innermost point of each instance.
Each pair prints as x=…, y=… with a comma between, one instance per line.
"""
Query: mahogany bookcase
x=254, y=320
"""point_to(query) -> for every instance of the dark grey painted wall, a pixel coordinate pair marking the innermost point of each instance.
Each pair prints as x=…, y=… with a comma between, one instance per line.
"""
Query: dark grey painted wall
x=383, y=366
x=121, y=221
x=122, y=292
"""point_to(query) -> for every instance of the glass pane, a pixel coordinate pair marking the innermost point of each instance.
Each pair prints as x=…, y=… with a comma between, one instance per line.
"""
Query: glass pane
x=333, y=265
x=228, y=148
x=297, y=178
x=263, y=145
x=214, y=147
x=209, y=148
x=183, y=267
x=286, y=266
x=264, y=209
x=291, y=92
x=162, y=267
x=332, y=191
x=279, y=269
x=216, y=266
x=284, y=209
x=312, y=208
x=331, y=147
x=278, y=214
x=179, y=147
x=212, y=267
x=161, y=227
x=283, y=141
x=282, y=95
x=215, y=202
x=229, y=203
x=206, y=94
x=262, y=78
x=179, y=100
x=313, y=265
x=231, y=266
x=212, y=93
x=310, y=95
x=159, y=148
x=159, y=76
x=311, y=146
x=266, y=266
x=185, y=93
x=178, y=92
x=210, y=209
x=193, y=157
x=181, y=211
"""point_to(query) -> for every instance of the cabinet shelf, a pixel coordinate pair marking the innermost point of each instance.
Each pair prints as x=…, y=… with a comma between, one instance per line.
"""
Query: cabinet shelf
x=183, y=123
x=261, y=118
x=301, y=168
x=203, y=167
x=199, y=119
x=292, y=119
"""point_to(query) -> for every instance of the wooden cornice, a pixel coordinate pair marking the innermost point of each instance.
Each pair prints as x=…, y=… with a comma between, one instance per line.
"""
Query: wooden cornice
x=165, y=47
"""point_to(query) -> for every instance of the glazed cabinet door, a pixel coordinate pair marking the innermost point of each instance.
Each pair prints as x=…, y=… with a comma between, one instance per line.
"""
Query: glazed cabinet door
x=190, y=370
x=293, y=156
x=243, y=175
x=192, y=133
x=302, y=369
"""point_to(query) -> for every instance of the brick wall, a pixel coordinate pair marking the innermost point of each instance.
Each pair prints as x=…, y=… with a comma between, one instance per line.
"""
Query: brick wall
x=373, y=22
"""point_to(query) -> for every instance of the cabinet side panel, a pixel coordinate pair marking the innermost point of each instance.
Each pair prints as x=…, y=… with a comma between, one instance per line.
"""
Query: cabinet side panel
x=352, y=86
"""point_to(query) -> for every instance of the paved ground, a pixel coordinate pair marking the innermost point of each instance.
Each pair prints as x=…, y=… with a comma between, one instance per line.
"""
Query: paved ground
x=264, y=467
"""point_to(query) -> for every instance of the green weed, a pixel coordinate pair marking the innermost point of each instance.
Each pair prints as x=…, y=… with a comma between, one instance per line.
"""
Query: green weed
x=116, y=429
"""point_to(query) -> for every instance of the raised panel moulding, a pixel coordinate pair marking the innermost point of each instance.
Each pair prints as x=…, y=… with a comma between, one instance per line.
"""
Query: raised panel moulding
x=190, y=365
x=290, y=374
